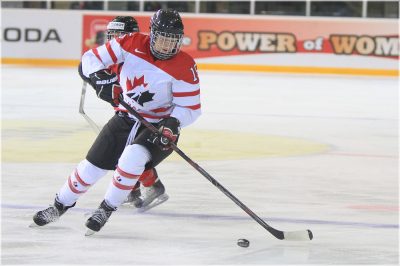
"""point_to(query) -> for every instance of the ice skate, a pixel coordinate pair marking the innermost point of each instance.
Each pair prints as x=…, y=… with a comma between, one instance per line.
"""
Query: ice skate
x=133, y=197
x=99, y=218
x=49, y=215
x=151, y=196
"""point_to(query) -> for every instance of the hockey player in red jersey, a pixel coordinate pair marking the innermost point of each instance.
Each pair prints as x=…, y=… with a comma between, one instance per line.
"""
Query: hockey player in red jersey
x=161, y=83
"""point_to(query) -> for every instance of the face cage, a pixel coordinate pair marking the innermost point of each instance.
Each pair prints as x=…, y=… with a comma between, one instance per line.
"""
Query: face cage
x=114, y=34
x=165, y=45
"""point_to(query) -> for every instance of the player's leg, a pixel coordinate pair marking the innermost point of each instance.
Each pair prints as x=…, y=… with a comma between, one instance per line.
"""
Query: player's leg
x=85, y=175
x=134, y=195
x=152, y=188
x=135, y=158
x=130, y=166
x=102, y=156
x=147, y=189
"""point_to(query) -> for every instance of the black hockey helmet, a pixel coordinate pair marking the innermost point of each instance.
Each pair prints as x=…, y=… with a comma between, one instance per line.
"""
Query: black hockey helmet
x=121, y=25
x=166, y=33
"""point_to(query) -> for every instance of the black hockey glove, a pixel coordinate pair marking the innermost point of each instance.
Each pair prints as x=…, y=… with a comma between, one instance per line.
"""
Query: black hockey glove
x=106, y=85
x=170, y=129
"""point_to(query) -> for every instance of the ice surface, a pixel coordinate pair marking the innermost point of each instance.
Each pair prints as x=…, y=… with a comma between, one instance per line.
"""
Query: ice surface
x=344, y=187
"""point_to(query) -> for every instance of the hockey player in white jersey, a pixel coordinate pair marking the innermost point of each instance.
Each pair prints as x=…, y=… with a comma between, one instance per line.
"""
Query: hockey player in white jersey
x=161, y=83
x=118, y=27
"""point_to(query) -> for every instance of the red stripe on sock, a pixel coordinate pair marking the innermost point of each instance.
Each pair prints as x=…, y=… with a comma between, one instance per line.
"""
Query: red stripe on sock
x=120, y=186
x=73, y=189
x=80, y=179
x=127, y=175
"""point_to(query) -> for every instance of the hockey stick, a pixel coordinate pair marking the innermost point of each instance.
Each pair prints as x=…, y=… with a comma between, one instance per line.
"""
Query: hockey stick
x=302, y=235
x=82, y=112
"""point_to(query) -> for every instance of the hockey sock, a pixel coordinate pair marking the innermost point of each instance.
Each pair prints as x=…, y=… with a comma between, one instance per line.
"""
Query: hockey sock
x=130, y=167
x=149, y=177
x=120, y=186
x=85, y=175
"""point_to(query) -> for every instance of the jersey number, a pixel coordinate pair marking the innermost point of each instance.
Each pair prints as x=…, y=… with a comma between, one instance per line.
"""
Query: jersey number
x=194, y=72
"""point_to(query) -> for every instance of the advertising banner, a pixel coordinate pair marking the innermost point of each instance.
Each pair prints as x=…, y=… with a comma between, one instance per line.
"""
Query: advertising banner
x=259, y=43
x=211, y=37
x=40, y=34
x=217, y=42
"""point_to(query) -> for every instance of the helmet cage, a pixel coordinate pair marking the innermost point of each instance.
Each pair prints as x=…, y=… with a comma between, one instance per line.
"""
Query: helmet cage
x=164, y=45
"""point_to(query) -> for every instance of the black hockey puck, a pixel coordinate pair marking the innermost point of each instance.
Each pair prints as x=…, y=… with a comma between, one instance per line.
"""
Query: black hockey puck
x=244, y=243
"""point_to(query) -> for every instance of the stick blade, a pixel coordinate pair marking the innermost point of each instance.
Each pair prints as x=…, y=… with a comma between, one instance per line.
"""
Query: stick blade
x=303, y=235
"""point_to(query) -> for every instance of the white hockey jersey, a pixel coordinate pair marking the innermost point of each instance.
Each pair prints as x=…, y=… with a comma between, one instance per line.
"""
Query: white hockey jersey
x=155, y=88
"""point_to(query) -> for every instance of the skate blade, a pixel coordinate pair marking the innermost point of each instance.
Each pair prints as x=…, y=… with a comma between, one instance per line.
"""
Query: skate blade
x=127, y=204
x=33, y=225
x=161, y=199
x=90, y=232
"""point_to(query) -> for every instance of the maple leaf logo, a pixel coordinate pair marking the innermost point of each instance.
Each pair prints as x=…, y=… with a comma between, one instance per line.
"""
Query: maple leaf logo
x=142, y=98
x=137, y=82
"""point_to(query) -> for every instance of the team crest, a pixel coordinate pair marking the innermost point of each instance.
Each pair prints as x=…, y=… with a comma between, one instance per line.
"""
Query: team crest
x=136, y=90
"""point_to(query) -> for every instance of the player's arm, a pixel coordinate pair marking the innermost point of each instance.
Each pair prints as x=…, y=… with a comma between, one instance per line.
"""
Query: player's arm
x=105, y=83
x=94, y=69
x=186, y=97
x=186, y=110
x=104, y=56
